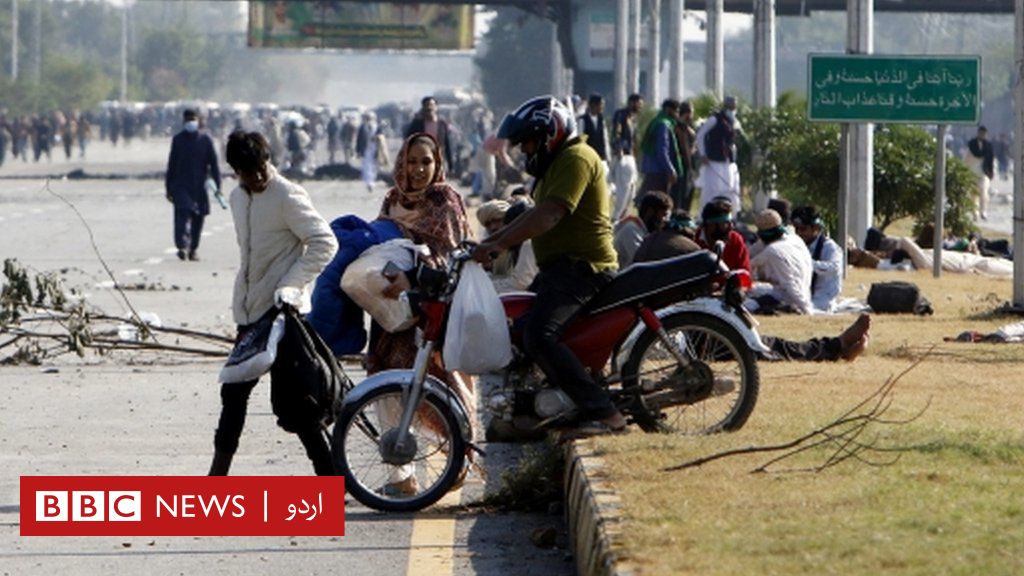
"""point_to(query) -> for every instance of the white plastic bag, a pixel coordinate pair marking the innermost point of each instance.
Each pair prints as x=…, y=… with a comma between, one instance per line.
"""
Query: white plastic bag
x=477, y=340
x=364, y=282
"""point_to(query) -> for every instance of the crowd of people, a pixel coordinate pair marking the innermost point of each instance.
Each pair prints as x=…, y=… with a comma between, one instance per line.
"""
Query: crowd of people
x=33, y=136
x=302, y=138
x=570, y=226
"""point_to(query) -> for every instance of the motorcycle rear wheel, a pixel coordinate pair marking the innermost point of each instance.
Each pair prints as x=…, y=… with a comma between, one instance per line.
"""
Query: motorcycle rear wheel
x=722, y=384
x=435, y=467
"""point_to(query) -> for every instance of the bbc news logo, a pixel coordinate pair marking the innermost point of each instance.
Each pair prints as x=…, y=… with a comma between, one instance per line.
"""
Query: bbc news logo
x=182, y=506
x=88, y=506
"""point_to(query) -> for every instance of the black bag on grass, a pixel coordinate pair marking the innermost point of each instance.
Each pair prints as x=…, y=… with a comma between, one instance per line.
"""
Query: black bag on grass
x=307, y=383
x=898, y=298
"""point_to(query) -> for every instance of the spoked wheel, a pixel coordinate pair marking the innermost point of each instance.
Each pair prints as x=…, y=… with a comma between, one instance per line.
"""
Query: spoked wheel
x=385, y=475
x=716, y=392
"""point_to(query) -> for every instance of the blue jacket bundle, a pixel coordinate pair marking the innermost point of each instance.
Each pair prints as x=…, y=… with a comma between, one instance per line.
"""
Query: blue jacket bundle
x=338, y=319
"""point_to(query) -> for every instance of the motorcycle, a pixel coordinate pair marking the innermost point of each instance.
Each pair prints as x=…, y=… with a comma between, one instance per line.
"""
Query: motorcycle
x=669, y=339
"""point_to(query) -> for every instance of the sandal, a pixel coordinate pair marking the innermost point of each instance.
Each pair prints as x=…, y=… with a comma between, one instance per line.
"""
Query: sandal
x=401, y=489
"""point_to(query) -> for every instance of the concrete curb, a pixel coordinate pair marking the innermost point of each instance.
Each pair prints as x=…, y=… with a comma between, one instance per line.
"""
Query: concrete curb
x=593, y=511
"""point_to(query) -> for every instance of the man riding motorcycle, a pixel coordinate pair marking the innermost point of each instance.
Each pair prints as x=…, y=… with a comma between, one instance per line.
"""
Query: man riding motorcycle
x=571, y=230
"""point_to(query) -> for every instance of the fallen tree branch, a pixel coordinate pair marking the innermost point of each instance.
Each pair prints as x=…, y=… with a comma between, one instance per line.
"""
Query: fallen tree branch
x=96, y=250
x=113, y=344
x=842, y=435
x=30, y=318
x=163, y=329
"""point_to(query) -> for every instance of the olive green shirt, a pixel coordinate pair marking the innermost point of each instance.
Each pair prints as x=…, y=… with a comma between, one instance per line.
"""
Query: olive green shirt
x=576, y=180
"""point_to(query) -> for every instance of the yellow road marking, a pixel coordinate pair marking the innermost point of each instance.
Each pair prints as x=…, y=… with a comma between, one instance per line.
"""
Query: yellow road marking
x=432, y=545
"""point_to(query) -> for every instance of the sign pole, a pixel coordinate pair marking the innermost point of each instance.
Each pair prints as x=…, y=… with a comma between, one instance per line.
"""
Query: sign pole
x=844, y=190
x=940, y=198
x=1018, y=157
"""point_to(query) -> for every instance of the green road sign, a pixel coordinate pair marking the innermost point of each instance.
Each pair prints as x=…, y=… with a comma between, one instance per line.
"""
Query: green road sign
x=906, y=89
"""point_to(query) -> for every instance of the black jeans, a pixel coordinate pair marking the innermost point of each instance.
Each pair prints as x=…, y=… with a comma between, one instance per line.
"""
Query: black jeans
x=813, y=350
x=563, y=287
x=234, y=402
x=188, y=228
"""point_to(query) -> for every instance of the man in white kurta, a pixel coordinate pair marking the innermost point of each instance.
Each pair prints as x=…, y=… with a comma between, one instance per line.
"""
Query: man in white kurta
x=783, y=270
x=716, y=143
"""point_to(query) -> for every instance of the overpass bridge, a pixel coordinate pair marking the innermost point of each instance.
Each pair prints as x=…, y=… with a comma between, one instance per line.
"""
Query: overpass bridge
x=561, y=12
x=557, y=8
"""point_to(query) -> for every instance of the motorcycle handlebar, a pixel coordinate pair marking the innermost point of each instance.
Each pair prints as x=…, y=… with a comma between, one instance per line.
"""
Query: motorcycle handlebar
x=462, y=253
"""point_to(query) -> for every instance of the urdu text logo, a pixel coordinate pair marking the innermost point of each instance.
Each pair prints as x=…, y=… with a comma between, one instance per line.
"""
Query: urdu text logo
x=182, y=506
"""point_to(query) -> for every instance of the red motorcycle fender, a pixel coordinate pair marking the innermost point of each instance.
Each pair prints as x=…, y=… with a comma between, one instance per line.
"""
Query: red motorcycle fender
x=706, y=305
x=432, y=385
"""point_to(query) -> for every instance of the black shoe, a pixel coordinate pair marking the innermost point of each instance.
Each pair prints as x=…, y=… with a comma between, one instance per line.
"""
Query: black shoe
x=193, y=256
x=591, y=429
x=181, y=255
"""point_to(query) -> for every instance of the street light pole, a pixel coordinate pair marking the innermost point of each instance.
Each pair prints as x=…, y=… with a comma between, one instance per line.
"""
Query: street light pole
x=621, y=50
x=714, y=75
x=124, y=54
x=37, y=44
x=654, y=51
x=14, y=40
x=634, y=46
x=860, y=39
x=675, y=50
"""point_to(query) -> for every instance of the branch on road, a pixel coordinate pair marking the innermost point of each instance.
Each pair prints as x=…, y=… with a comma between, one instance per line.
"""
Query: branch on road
x=143, y=326
x=40, y=320
x=851, y=436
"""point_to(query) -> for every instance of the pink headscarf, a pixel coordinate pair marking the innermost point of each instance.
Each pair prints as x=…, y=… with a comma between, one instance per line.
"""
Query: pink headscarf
x=434, y=216
x=401, y=172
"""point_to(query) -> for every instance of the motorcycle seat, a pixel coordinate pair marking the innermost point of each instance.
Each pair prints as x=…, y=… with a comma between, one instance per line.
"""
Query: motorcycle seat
x=644, y=280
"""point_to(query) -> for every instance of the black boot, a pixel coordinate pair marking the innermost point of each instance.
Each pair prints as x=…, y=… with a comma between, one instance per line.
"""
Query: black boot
x=318, y=451
x=221, y=463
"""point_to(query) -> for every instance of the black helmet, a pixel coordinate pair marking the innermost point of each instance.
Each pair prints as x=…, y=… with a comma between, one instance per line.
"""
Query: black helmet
x=545, y=119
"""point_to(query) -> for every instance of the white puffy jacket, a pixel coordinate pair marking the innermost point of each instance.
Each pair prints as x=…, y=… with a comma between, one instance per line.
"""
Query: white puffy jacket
x=284, y=242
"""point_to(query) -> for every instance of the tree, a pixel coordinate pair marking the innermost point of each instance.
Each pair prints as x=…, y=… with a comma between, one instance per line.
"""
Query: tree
x=74, y=83
x=905, y=179
x=516, y=64
x=805, y=157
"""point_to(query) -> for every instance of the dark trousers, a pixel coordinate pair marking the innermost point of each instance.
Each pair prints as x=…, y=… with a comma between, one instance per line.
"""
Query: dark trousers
x=188, y=228
x=682, y=194
x=234, y=401
x=813, y=350
x=562, y=288
x=653, y=183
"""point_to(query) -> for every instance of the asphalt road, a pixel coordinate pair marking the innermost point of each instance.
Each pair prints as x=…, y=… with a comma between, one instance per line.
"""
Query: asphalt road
x=141, y=414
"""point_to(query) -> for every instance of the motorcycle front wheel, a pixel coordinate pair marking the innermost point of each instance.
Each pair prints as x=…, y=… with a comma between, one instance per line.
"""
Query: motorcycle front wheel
x=715, y=392
x=384, y=479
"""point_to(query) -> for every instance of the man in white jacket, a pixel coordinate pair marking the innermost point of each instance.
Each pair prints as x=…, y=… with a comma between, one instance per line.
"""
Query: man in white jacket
x=284, y=244
x=827, y=281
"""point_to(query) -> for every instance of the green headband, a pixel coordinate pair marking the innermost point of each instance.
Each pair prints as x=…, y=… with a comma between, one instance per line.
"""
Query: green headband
x=772, y=233
x=679, y=224
x=718, y=219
